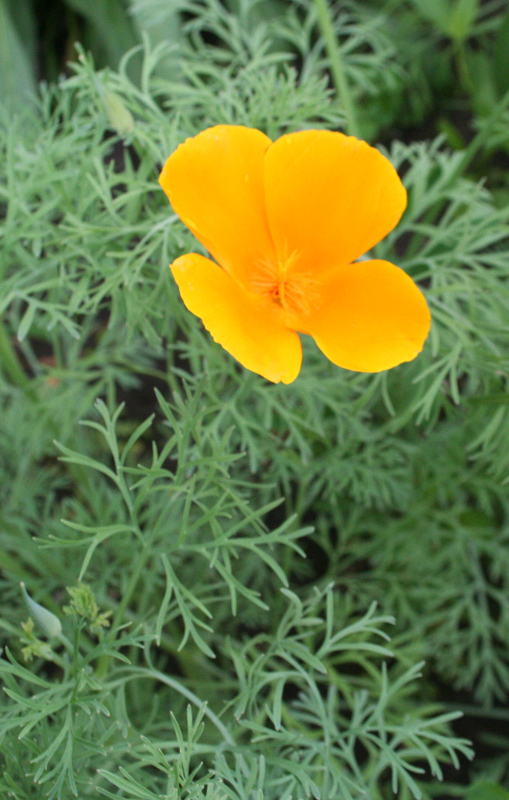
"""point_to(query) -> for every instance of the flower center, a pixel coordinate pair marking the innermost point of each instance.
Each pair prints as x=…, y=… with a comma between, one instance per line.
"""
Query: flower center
x=292, y=291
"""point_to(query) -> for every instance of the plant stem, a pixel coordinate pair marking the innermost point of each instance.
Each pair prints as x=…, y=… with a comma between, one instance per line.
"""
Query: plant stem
x=104, y=660
x=462, y=67
x=481, y=137
x=9, y=361
x=179, y=687
x=336, y=65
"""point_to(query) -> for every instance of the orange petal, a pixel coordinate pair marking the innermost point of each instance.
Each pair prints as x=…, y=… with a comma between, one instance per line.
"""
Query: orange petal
x=329, y=198
x=371, y=317
x=247, y=325
x=215, y=184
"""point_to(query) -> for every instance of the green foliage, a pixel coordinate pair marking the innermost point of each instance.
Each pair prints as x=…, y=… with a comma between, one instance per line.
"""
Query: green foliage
x=17, y=54
x=226, y=556
x=486, y=790
x=37, y=37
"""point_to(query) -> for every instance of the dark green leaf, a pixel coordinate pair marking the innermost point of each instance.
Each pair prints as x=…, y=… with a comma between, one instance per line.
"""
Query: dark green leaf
x=486, y=790
x=501, y=56
x=17, y=82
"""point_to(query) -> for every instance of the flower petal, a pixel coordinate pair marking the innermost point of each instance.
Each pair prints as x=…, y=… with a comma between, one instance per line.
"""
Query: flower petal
x=215, y=184
x=247, y=325
x=329, y=198
x=371, y=317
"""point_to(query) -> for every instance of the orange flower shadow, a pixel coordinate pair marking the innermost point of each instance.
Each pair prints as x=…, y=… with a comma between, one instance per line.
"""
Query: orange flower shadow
x=285, y=221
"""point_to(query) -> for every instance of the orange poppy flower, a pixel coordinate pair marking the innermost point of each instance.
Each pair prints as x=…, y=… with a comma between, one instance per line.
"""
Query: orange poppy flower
x=285, y=221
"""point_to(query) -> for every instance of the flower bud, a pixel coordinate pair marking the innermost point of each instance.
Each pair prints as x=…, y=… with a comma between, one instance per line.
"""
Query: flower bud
x=120, y=117
x=48, y=622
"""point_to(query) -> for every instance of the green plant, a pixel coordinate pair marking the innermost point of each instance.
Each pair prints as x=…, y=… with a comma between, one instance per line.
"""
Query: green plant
x=228, y=557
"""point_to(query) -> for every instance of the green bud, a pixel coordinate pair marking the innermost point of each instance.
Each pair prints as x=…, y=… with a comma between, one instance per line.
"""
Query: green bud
x=83, y=601
x=48, y=622
x=84, y=604
x=120, y=117
x=33, y=646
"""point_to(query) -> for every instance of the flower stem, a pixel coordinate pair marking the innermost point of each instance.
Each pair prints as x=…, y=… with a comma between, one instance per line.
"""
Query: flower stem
x=336, y=65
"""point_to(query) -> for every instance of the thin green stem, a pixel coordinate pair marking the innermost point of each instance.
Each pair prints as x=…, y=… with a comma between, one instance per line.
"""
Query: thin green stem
x=9, y=362
x=179, y=687
x=480, y=138
x=462, y=67
x=102, y=666
x=156, y=675
x=131, y=587
x=336, y=65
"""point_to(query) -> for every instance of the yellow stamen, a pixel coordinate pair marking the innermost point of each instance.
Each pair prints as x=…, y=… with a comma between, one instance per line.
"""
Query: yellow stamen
x=293, y=291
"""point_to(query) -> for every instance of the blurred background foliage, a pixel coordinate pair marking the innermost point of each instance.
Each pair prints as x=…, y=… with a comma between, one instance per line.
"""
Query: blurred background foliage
x=234, y=535
x=442, y=60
